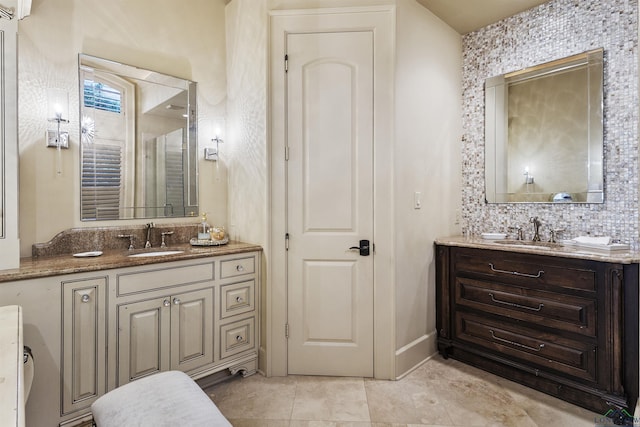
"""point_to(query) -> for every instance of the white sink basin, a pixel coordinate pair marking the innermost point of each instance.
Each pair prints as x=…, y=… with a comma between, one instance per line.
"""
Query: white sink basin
x=156, y=253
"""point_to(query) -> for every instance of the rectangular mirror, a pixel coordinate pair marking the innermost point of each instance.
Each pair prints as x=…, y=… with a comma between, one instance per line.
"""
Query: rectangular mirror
x=544, y=133
x=138, y=131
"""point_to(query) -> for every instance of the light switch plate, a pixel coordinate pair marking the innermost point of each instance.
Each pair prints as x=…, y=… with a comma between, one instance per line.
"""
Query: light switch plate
x=417, y=200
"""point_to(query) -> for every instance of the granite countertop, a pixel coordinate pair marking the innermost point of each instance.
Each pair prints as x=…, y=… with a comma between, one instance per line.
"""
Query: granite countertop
x=543, y=248
x=43, y=266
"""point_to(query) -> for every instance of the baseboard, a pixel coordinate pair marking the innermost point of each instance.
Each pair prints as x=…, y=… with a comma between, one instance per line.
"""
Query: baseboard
x=262, y=360
x=414, y=354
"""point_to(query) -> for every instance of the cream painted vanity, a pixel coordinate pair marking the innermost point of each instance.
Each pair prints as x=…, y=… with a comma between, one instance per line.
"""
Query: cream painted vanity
x=97, y=323
x=557, y=319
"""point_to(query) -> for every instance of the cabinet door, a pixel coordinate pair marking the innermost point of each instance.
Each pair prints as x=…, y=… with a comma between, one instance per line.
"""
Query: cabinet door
x=84, y=343
x=143, y=338
x=192, y=329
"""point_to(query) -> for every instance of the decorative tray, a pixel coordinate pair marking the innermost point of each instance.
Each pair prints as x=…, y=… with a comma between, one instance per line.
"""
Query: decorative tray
x=205, y=242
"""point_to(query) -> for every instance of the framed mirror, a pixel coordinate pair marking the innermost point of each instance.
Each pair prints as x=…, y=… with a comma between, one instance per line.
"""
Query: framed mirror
x=544, y=133
x=138, y=131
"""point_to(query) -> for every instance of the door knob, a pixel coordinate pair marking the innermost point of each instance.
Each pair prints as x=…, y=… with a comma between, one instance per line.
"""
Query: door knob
x=363, y=248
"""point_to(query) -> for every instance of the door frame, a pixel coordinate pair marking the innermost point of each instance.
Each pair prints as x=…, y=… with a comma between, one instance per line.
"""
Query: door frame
x=381, y=20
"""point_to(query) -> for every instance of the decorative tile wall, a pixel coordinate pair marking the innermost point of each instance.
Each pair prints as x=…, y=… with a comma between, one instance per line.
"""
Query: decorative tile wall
x=554, y=30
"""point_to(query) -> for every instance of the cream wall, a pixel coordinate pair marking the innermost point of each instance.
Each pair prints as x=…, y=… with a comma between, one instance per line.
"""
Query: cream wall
x=427, y=160
x=187, y=42
x=246, y=150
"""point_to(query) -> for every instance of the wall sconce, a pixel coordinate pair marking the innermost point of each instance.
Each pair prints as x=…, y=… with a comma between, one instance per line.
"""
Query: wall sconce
x=211, y=153
x=57, y=112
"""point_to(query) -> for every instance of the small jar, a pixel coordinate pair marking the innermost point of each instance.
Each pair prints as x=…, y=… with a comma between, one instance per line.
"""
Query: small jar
x=217, y=233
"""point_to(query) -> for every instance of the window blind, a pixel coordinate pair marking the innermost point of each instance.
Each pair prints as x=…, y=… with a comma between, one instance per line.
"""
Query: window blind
x=101, y=181
x=102, y=97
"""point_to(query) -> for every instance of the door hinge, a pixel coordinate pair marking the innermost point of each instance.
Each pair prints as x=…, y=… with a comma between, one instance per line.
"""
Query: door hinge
x=286, y=241
x=286, y=330
x=286, y=63
x=286, y=153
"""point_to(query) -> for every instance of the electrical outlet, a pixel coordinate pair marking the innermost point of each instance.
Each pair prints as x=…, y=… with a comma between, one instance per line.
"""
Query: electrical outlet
x=417, y=200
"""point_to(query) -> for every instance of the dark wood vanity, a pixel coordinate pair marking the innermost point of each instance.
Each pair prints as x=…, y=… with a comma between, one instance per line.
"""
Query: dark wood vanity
x=564, y=324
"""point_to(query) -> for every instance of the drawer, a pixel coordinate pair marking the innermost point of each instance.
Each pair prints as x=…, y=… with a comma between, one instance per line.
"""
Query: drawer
x=547, y=351
x=237, y=337
x=526, y=269
x=237, y=267
x=566, y=312
x=237, y=298
x=163, y=277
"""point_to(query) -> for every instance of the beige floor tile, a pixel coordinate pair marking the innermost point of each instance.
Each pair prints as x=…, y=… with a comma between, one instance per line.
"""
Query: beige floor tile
x=438, y=368
x=259, y=423
x=303, y=423
x=440, y=393
x=330, y=399
x=477, y=402
x=546, y=410
x=409, y=400
x=255, y=397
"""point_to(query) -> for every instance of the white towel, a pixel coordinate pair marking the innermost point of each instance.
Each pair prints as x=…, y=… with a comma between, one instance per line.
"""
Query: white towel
x=603, y=240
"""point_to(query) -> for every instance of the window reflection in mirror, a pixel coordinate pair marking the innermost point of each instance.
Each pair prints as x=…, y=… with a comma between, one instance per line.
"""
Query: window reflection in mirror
x=138, y=142
x=544, y=133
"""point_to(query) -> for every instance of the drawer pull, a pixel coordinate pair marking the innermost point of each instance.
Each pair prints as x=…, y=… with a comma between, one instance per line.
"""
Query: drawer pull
x=515, y=273
x=239, y=299
x=239, y=338
x=239, y=268
x=517, y=344
x=512, y=304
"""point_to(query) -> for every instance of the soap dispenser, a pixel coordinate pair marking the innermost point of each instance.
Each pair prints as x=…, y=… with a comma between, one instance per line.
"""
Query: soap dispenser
x=203, y=228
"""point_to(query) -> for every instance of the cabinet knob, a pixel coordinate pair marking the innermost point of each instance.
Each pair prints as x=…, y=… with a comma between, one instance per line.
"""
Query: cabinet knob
x=176, y=301
x=239, y=338
x=239, y=299
x=239, y=268
x=166, y=303
x=85, y=298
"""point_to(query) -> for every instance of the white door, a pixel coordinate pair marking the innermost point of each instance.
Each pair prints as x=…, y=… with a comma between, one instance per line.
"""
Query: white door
x=330, y=202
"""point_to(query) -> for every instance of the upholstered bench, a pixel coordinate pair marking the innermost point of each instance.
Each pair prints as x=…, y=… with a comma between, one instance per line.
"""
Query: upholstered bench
x=165, y=399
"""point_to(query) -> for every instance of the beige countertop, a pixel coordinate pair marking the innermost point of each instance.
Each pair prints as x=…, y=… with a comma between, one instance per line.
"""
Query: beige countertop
x=542, y=248
x=115, y=258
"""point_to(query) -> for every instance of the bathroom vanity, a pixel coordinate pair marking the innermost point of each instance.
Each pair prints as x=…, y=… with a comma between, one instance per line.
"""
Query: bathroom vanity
x=559, y=320
x=96, y=323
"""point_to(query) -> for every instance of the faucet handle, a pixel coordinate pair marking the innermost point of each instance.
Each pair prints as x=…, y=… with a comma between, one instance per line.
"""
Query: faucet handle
x=554, y=234
x=518, y=230
x=130, y=237
x=163, y=234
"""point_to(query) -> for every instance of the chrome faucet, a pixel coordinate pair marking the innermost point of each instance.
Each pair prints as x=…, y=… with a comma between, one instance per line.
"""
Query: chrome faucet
x=149, y=227
x=536, y=228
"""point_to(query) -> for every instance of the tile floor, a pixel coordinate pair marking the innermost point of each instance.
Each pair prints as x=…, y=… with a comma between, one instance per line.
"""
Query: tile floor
x=437, y=394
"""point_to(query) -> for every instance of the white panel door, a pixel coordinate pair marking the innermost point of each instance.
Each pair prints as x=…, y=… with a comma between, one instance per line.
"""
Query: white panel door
x=330, y=202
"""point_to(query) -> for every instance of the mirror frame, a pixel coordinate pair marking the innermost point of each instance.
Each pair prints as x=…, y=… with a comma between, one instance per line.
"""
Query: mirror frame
x=89, y=63
x=496, y=129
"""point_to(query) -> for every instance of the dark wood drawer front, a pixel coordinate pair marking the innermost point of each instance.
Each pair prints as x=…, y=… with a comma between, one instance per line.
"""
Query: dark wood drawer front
x=545, y=350
x=566, y=312
x=524, y=269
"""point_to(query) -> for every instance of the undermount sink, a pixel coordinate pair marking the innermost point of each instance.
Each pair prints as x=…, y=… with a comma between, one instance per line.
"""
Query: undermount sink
x=530, y=243
x=155, y=253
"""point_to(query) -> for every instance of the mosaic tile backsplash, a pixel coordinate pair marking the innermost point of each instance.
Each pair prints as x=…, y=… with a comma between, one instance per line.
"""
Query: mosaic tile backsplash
x=551, y=31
